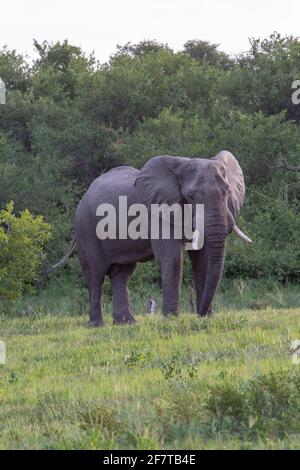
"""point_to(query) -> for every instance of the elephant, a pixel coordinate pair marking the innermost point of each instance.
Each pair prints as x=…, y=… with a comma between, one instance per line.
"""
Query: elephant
x=217, y=182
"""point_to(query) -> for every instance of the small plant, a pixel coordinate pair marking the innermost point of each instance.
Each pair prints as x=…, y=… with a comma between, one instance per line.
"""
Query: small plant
x=136, y=357
x=103, y=416
x=241, y=286
x=132, y=359
x=277, y=296
x=174, y=368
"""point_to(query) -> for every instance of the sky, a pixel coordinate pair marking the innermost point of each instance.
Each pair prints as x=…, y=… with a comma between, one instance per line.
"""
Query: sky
x=98, y=25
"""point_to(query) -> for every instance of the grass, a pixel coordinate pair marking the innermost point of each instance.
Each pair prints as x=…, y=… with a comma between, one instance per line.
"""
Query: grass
x=227, y=382
x=67, y=297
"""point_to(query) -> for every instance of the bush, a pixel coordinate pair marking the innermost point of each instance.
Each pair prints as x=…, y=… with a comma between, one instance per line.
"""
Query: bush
x=22, y=242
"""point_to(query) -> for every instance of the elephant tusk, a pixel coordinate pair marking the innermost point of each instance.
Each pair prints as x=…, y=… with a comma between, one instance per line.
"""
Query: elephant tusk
x=241, y=235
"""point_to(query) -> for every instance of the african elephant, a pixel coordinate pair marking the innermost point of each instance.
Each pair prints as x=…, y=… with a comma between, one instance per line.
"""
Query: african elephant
x=217, y=183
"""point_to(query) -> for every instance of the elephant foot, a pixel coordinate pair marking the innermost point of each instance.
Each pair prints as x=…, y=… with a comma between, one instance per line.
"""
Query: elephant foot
x=171, y=314
x=208, y=313
x=95, y=323
x=123, y=319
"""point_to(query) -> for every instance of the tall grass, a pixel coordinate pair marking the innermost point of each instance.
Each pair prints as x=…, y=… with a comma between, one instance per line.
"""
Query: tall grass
x=67, y=297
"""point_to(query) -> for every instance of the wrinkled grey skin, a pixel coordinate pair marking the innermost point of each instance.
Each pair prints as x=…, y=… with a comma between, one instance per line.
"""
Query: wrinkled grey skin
x=218, y=183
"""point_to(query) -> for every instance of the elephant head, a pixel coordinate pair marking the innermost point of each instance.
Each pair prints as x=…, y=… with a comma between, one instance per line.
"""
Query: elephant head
x=217, y=183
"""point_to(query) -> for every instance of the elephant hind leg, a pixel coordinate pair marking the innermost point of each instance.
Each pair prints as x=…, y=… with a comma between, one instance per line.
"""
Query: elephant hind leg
x=95, y=290
x=94, y=272
x=119, y=275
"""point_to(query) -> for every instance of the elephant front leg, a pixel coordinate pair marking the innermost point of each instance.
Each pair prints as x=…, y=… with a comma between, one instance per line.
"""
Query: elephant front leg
x=199, y=266
x=119, y=277
x=169, y=254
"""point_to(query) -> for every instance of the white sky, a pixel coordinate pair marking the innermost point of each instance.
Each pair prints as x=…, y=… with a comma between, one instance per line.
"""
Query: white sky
x=99, y=25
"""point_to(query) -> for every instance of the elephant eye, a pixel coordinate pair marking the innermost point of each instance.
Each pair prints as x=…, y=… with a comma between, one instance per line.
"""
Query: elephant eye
x=195, y=197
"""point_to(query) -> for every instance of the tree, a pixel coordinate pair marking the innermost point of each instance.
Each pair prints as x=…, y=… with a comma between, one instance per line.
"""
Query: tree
x=206, y=53
x=59, y=68
x=142, y=48
x=14, y=70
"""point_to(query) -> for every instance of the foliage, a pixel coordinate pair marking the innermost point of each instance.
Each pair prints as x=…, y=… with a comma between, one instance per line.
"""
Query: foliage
x=204, y=52
x=69, y=118
x=22, y=241
x=263, y=405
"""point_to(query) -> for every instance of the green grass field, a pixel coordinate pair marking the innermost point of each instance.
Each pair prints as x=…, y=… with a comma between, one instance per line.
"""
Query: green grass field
x=227, y=382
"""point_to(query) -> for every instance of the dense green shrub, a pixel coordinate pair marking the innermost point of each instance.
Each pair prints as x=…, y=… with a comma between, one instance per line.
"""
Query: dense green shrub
x=22, y=241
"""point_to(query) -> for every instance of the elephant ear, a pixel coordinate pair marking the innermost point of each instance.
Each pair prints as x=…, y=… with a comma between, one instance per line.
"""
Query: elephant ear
x=158, y=181
x=235, y=178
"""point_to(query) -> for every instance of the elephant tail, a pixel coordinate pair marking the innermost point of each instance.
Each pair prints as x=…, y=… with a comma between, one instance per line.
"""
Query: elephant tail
x=64, y=260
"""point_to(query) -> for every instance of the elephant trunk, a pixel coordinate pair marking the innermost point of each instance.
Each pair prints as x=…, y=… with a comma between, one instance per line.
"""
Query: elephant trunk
x=215, y=266
x=215, y=240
